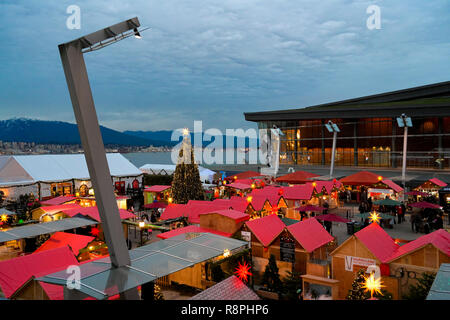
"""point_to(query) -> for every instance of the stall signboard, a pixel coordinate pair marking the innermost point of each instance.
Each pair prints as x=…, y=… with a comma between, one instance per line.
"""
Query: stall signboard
x=287, y=249
x=247, y=236
x=351, y=261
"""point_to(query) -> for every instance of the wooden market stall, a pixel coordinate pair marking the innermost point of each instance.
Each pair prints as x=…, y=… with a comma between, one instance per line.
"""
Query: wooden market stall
x=425, y=254
x=367, y=247
x=16, y=274
x=355, y=181
x=294, y=246
x=431, y=187
x=157, y=192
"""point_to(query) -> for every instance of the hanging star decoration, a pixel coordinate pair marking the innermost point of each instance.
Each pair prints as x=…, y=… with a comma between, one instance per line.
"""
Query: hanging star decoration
x=372, y=285
x=243, y=271
x=4, y=218
x=374, y=217
x=95, y=232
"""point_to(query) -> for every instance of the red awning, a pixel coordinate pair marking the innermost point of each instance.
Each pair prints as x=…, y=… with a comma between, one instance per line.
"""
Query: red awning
x=310, y=234
x=59, y=208
x=266, y=229
x=391, y=184
x=57, y=201
x=417, y=193
x=297, y=177
x=61, y=239
x=438, y=182
x=365, y=178
x=157, y=188
x=14, y=273
x=240, y=186
x=424, y=204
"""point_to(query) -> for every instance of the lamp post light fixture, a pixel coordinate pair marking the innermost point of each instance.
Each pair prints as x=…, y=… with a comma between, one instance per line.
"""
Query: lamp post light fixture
x=404, y=122
x=332, y=127
x=94, y=150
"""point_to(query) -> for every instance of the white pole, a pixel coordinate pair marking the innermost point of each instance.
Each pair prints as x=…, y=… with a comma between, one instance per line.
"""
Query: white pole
x=405, y=143
x=333, y=151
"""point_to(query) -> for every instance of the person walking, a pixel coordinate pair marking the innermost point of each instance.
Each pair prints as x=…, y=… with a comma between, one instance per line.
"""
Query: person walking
x=403, y=210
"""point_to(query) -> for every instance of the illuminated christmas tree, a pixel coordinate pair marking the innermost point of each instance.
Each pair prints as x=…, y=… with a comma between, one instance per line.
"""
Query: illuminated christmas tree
x=186, y=184
x=357, y=292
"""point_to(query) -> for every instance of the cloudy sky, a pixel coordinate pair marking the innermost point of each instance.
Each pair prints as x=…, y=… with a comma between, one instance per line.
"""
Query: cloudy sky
x=213, y=60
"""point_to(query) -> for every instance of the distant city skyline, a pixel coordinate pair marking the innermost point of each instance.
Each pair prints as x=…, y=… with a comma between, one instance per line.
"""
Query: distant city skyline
x=213, y=60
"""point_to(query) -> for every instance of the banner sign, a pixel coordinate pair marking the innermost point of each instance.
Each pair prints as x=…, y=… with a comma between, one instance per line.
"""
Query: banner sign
x=350, y=261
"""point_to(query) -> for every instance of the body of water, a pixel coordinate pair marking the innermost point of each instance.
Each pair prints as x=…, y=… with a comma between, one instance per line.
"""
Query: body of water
x=141, y=158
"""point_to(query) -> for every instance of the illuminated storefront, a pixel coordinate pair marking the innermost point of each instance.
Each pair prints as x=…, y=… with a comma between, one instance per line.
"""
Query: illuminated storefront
x=369, y=135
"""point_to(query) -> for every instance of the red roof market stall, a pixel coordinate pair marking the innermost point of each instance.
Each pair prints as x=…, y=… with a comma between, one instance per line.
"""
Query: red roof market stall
x=157, y=192
x=232, y=288
x=14, y=273
x=76, y=242
x=190, y=229
x=58, y=200
x=266, y=229
x=364, y=178
x=297, y=177
x=244, y=175
x=431, y=187
x=310, y=234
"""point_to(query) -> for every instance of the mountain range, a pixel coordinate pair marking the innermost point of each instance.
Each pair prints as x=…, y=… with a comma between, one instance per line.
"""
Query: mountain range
x=58, y=132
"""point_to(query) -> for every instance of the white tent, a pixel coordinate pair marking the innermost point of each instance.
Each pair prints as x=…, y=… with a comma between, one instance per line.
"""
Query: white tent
x=168, y=169
x=18, y=169
x=206, y=174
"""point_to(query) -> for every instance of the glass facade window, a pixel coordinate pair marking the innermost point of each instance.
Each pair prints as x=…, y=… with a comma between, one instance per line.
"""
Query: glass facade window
x=367, y=142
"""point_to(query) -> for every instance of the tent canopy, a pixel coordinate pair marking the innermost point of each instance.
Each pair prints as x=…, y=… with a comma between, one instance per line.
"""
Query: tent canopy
x=424, y=205
x=365, y=178
x=58, y=167
x=387, y=202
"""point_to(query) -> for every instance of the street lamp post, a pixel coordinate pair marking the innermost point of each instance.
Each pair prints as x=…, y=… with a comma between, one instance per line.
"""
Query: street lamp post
x=405, y=122
x=332, y=127
x=84, y=109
